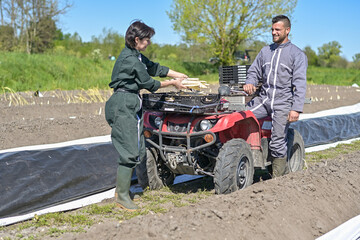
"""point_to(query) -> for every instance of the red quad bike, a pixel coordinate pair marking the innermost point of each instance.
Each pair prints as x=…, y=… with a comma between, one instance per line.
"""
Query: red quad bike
x=208, y=134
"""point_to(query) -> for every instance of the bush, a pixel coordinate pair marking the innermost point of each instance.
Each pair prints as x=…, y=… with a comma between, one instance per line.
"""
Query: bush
x=354, y=65
x=96, y=55
x=338, y=62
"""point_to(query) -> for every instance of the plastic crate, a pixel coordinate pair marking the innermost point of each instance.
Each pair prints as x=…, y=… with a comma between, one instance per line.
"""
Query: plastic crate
x=182, y=103
x=233, y=75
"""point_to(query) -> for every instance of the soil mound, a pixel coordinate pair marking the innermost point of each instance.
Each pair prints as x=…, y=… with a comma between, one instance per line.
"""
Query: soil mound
x=301, y=205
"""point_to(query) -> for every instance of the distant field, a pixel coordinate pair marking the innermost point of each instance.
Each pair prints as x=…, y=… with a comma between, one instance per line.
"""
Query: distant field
x=23, y=72
x=333, y=76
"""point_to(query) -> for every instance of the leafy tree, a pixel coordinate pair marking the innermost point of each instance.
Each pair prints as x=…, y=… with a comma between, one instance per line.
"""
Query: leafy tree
x=152, y=51
x=329, y=53
x=194, y=52
x=1, y=13
x=42, y=38
x=256, y=46
x=110, y=42
x=6, y=38
x=356, y=58
x=313, y=59
x=167, y=51
x=338, y=62
x=197, y=52
x=225, y=24
x=356, y=61
x=70, y=44
x=253, y=47
x=33, y=21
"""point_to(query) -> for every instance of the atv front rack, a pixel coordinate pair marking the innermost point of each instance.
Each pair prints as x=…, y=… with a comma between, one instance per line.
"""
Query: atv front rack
x=182, y=102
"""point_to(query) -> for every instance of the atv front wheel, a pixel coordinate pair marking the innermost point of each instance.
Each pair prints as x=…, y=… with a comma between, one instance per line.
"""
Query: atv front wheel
x=141, y=174
x=234, y=167
x=296, y=151
x=158, y=173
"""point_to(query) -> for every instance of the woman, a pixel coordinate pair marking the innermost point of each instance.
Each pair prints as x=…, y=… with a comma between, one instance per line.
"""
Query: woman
x=123, y=110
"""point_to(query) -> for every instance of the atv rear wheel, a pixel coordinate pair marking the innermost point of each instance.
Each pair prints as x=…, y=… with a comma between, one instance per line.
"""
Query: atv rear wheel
x=158, y=173
x=234, y=167
x=296, y=151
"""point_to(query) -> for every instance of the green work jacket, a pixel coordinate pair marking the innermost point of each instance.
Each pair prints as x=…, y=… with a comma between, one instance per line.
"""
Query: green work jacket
x=123, y=110
x=133, y=71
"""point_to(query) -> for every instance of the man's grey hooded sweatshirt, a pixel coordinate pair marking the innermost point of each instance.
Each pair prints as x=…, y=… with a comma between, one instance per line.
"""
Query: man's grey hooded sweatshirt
x=282, y=71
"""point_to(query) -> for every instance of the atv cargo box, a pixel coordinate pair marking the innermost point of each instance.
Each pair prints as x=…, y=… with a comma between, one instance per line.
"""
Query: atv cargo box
x=233, y=75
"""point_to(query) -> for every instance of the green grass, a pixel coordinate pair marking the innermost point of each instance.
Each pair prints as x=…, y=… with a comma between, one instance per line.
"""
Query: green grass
x=332, y=153
x=333, y=76
x=58, y=219
x=22, y=72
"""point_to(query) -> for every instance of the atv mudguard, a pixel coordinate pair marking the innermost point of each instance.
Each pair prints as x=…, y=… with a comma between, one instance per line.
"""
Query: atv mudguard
x=239, y=125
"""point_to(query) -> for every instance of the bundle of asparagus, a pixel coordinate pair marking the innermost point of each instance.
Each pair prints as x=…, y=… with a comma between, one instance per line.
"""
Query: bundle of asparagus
x=194, y=83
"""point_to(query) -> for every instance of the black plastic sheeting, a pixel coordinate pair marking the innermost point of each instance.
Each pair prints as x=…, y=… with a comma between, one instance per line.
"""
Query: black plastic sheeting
x=34, y=180
x=329, y=129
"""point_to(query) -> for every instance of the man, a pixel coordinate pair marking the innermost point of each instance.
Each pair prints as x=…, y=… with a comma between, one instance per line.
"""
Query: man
x=281, y=67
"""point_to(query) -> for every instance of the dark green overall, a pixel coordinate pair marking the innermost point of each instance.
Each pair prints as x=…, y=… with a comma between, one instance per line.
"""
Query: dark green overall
x=123, y=111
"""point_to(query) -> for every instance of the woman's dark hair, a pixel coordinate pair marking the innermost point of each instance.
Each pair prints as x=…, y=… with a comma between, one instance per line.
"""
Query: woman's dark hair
x=140, y=30
x=282, y=18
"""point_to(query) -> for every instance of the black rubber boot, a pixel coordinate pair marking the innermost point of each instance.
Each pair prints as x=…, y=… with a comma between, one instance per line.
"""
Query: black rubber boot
x=123, y=181
x=279, y=167
x=134, y=196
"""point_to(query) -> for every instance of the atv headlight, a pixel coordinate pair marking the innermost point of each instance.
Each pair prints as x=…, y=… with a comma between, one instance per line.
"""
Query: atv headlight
x=205, y=125
x=157, y=122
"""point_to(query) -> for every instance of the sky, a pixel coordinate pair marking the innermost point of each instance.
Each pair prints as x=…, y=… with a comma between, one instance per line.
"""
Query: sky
x=314, y=22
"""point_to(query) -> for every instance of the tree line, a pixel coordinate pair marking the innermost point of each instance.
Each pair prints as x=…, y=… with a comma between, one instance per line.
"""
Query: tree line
x=29, y=25
x=329, y=56
x=210, y=29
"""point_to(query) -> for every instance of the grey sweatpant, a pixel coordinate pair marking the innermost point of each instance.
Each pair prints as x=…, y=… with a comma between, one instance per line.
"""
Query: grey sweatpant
x=279, y=114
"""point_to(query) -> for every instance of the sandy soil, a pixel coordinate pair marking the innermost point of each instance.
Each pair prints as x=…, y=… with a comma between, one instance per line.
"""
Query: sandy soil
x=302, y=205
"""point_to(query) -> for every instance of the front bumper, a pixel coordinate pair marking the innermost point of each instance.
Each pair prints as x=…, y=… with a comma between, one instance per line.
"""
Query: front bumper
x=188, y=137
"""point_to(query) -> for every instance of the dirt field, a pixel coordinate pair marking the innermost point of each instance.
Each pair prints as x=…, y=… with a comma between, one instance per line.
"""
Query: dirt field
x=301, y=205
x=56, y=118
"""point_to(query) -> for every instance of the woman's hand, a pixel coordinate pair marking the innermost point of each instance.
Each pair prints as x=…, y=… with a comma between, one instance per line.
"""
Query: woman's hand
x=177, y=82
x=174, y=74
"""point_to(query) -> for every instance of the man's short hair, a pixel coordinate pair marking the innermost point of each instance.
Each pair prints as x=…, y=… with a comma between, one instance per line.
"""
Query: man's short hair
x=140, y=30
x=282, y=18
